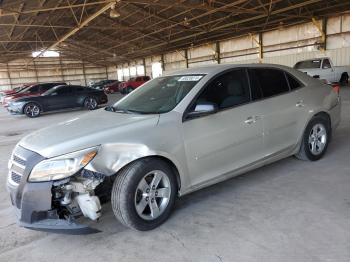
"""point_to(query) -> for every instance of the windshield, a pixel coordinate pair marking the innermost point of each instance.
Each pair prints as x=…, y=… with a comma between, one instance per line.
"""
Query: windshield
x=159, y=95
x=309, y=64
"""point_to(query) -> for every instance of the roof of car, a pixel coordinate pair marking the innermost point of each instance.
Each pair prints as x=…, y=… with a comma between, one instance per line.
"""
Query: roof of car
x=215, y=69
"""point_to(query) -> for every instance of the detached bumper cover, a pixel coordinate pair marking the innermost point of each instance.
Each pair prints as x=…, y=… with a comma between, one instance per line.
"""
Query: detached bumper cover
x=33, y=202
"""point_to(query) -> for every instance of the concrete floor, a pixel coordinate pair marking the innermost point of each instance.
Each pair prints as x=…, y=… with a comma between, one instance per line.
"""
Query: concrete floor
x=288, y=211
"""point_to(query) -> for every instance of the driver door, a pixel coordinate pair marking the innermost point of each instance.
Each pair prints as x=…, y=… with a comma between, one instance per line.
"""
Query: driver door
x=228, y=140
x=63, y=97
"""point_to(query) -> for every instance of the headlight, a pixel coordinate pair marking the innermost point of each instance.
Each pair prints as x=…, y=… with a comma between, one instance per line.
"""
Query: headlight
x=16, y=103
x=62, y=166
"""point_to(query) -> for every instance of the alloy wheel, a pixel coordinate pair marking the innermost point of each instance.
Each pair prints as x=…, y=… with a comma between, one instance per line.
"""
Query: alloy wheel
x=317, y=139
x=152, y=195
x=91, y=103
x=32, y=110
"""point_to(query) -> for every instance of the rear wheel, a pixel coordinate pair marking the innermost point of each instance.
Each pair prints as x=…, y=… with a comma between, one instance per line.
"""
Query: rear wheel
x=90, y=103
x=344, y=80
x=32, y=110
x=315, y=139
x=143, y=194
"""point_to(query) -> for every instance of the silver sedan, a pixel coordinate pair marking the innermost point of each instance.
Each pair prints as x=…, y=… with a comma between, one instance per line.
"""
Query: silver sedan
x=171, y=136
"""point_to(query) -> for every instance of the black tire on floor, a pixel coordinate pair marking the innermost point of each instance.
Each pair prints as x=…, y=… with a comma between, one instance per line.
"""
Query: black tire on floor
x=344, y=80
x=32, y=110
x=125, y=188
x=305, y=152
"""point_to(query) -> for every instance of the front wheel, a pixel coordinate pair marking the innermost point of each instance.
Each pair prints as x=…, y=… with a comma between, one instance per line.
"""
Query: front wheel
x=90, y=103
x=315, y=139
x=32, y=110
x=129, y=89
x=143, y=194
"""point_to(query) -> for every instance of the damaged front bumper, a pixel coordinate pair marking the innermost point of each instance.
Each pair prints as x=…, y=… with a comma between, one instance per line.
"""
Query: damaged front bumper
x=34, y=203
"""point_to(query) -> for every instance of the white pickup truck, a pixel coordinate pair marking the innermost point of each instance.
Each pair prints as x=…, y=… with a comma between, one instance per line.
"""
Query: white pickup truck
x=324, y=68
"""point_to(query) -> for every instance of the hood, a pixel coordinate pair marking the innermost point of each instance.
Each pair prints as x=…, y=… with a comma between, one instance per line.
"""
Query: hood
x=88, y=130
x=18, y=95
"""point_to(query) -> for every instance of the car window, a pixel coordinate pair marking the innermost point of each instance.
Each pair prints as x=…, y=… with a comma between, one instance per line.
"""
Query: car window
x=293, y=82
x=326, y=64
x=64, y=90
x=159, y=95
x=308, y=64
x=46, y=87
x=227, y=90
x=79, y=88
x=271, y=82
x=34, y=89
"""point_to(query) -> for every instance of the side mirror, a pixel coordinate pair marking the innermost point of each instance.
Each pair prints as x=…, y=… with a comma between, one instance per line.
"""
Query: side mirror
x=202, y=109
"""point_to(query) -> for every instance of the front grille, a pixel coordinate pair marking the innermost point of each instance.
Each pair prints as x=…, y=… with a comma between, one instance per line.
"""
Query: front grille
x=19, y=160
x=16, y=177
x=17, y=166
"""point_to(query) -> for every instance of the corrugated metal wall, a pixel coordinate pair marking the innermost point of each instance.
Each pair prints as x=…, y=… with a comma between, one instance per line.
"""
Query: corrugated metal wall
x=41, y=70
x=285, y=45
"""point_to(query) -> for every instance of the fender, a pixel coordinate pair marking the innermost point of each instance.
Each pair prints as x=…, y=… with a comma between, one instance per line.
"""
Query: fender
x=111, y=158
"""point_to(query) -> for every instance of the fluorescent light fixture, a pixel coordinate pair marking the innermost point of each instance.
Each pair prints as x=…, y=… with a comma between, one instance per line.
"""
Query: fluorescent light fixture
x=48, y=53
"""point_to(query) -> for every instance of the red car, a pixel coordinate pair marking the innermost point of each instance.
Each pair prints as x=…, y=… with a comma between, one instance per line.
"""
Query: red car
x=33, y=90
x=133, y=83
x=112, y=87
x=11, y=91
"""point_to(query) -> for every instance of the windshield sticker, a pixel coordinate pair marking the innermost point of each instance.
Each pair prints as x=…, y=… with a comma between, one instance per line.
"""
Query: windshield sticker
x=189, y=78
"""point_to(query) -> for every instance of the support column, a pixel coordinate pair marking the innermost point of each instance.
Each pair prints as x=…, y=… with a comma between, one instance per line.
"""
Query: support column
x=186, y=57
x=35, y=71
x=323, y=30
x=84, y=72
x=8, y=75
x=217, y=52
x=261, y=47
x=144, y=66
x=162, y=61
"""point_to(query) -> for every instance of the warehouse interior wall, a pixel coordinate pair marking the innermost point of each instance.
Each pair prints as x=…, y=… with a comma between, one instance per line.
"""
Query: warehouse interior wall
x=284, y=45
x=52, y=69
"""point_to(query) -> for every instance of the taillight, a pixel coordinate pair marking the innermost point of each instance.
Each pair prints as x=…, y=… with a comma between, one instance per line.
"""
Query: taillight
x=336, y=88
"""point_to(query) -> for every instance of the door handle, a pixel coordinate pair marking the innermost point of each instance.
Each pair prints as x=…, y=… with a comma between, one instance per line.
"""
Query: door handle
x=300, y=103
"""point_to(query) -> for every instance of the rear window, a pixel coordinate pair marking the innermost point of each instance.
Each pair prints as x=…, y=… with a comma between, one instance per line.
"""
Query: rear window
x=293, y=83
x=268, y=82
x=309, y=64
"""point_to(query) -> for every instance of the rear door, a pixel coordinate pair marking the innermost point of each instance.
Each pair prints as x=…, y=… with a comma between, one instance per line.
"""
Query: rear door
x=228, y=140
x=282, y=108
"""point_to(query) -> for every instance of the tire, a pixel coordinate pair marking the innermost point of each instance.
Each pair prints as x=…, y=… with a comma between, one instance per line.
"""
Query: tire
x=134, y=201
x=129, y=89
x=316, y=138
x=32, y=110
x=344, y=80
x=90, y=103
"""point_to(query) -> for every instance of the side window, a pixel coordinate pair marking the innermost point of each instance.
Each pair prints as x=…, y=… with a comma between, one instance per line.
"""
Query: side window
x=227, y=90
x=326, y=64
x=293, y=83
x=64, y=90
x=79, y=88
x=35, y=89
x=272, y=81
x=46, y=87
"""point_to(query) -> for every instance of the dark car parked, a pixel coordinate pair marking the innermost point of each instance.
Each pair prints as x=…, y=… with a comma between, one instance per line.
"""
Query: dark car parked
x=101, y=84
x=31, y=90
x=59, y=97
